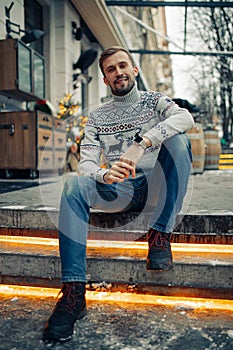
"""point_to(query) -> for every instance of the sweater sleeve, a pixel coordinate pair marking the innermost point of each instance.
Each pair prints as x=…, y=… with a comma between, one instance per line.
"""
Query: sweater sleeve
x=89, y=164
x=173, y=120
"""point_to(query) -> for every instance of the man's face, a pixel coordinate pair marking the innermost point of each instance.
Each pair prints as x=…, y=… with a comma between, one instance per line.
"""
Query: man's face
x=119, y=73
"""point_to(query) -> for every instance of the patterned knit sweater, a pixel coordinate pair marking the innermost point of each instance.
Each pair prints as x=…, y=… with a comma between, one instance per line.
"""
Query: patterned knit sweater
x=112, y=127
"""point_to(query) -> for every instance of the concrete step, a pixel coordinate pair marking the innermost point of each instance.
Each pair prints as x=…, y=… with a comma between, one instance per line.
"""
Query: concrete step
x=201, y=227
x=124, y=235
x=226, y=161
x=200, y=270
x=227, y=150
x=46, y=219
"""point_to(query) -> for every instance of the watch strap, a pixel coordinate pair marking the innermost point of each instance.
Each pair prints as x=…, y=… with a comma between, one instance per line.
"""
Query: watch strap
x=138, y=139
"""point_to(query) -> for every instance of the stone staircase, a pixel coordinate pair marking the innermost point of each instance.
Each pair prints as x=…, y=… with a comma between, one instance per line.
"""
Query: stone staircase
x=202, y=247
x=226, y=159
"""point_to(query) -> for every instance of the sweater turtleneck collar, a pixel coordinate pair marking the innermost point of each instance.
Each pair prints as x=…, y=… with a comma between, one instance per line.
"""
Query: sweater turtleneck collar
x=132, y=97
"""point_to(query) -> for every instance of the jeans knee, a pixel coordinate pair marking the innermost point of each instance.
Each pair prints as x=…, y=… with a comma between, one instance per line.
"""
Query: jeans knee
x=180, y=145
x=179, y=140
x=185, y=146
x=70, y=186
x=78, y=185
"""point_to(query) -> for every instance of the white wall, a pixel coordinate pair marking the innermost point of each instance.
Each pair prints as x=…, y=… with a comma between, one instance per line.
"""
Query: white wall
x=61, y=50
x=64, y=50
x=97, y=88
x=16, y=15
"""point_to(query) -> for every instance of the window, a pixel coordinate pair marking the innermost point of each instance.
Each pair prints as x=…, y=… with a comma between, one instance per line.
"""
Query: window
x=38, y=78
x=34, y=19
x=24, y=68
x=30, y=71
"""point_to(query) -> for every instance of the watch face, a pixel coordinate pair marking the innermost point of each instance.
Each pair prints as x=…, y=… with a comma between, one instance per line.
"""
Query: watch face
x=138, y=139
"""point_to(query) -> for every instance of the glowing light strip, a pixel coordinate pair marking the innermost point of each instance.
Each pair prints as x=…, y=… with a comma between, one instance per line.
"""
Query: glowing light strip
x=176, y=247
x=222, y=167
x=225, y=167
x=225, y=160
x=193, y=303
x=223, y=156
x=29, y=240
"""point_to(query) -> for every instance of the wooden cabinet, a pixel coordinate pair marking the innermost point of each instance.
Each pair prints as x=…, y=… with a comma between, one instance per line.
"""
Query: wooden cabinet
x=32, y=141
x=59, y=143
x=22, y=72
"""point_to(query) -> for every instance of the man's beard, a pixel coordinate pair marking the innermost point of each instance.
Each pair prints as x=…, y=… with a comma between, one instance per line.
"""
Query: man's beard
x=124, y=88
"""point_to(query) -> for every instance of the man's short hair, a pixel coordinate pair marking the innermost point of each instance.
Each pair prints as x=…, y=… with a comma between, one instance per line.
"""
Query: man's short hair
x=109, y=52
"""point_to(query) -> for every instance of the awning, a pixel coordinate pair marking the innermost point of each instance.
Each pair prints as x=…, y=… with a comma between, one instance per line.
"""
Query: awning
x=99, y=20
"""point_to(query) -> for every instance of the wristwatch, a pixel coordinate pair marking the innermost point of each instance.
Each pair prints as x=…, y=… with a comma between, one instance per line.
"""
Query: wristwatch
x=140, y=141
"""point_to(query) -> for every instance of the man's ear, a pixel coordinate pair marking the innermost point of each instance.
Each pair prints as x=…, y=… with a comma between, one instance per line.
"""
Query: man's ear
x=135, y=69
x=105, y=81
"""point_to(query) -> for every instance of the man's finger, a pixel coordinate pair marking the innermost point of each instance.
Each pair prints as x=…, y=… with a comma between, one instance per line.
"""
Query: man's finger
x=126, y=163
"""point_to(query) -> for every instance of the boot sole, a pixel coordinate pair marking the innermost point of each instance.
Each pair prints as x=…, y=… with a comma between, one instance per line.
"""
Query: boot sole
x=52, y=336
x=158, y=269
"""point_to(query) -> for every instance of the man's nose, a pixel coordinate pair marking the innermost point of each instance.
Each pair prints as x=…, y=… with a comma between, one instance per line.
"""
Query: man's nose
x=118, y=71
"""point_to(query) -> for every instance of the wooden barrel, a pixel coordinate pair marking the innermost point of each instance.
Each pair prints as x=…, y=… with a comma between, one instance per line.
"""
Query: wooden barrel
x=213, y=149
x=196, y=136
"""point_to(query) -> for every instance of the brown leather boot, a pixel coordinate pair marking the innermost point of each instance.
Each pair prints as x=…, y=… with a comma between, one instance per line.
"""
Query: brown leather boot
x=69, y=308
x=159, y=256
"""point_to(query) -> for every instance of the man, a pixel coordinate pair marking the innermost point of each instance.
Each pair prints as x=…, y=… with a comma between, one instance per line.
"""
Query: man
x=142, y=137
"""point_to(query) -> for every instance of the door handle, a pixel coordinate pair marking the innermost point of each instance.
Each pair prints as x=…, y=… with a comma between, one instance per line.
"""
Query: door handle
x=11, y=128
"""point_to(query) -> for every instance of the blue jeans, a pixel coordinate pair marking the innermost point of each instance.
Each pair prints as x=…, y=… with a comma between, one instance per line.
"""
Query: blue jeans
x=161, y=191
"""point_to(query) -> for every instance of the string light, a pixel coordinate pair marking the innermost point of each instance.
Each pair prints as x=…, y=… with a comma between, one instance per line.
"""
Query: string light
x=69, y=110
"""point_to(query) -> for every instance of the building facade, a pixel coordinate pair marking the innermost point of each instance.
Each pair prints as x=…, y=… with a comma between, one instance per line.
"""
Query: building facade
x=71, y=29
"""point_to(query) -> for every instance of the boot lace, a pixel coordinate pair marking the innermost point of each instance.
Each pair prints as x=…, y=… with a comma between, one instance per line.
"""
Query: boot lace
x=158, y=239
x=70, y=295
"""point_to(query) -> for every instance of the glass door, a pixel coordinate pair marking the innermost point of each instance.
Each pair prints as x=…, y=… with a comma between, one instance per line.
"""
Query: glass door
x=24, y=68
x=38, y=75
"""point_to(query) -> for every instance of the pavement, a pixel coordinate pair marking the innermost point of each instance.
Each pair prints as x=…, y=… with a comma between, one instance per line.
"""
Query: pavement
x=118, y=325
x=209, y=192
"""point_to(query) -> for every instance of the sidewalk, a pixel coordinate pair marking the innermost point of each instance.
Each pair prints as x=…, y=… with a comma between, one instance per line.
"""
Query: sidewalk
x=117, y=326
x=210, y=192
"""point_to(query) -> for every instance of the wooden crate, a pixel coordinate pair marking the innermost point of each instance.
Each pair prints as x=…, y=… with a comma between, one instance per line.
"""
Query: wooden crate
x=31, y=141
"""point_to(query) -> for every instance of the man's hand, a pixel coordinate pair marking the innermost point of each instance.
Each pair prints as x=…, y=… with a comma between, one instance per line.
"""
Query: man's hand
x=118, y=172
x=121, y=169
x=132, y=156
